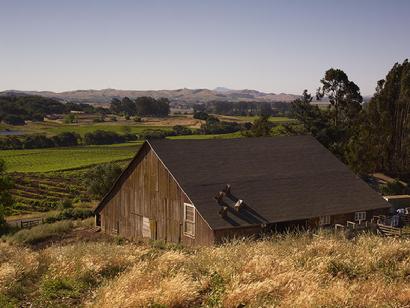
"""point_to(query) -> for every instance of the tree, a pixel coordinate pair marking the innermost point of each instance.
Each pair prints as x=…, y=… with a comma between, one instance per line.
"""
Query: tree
x=66, y=139
x=70, y=118
x=6, y=199
x=100, y=179
x=343, y=94
x=388, y=114
x=261, y=126
x=200, y=115
x=13, y=120
x=181, y=130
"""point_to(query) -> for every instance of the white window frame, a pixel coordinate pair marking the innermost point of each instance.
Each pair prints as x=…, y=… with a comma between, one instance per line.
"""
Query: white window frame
x=324, y=220
x=360, y=216
x=186, y=205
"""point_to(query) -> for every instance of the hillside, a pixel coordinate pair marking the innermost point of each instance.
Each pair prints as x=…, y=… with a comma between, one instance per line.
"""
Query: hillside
x=84, y=268
x=181, y=95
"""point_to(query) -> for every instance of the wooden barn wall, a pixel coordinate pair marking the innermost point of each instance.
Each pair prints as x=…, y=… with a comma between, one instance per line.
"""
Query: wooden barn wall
x=150, y=191
x=225, y=234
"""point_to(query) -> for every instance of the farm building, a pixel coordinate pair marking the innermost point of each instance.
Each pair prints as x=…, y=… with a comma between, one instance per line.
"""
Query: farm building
x=198, y=192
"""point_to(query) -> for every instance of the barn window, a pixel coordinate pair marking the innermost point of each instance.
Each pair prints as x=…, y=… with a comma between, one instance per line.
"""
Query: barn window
x=359, y=216
x=189, y=219
x=324, y=220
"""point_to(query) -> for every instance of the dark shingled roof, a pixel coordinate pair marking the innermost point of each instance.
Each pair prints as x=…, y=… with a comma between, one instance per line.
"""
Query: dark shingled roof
x=279, y=179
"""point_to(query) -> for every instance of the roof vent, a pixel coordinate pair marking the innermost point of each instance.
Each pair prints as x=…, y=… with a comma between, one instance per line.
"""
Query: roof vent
x=219, y=196
x=223, y=211
x=227, y=189
x=238, y=205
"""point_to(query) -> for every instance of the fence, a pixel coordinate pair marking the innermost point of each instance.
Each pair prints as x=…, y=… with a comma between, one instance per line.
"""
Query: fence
x=25, y=223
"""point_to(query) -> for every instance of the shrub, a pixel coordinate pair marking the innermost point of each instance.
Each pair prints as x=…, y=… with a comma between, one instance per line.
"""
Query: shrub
x=14, y=120
x=38, y=141
x=181, y=130
x=41, y=232
x=200, y=115
x=70, y=214
x=394, y=188
x=66, y=139
x=66, y=204
x=153, y=134
x=61, y=288
x=100, y=178
x=102, y=137
x=214, y=126
x=70, y=118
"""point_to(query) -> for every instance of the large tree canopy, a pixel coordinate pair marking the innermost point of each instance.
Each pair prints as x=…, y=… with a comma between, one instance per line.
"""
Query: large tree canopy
x=142, y=106
x=387, y=121
x=343, y=94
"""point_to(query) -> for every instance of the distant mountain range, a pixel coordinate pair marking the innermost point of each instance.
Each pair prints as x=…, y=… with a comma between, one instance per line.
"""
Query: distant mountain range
x=181, y=95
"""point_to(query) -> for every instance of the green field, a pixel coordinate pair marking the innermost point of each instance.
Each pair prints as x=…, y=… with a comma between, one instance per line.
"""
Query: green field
x=67, y=158
x=211, y=136
x=253, y=118
x=51, y=128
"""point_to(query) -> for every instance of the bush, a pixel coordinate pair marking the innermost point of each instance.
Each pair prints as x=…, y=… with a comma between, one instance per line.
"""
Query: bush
x=100, y=178
x=70, y=214
x=394, y=188
x=3, y=224
x=200, y=115
x=182, y=130
x=11, y=143
x=102, y=137
x=61, y=288
x=214, y=126
x=153, y=134
x=70, y=118
x=38, y=141
x=66, y=204
x=66, y=139
x=14, y=120
x=41, y=232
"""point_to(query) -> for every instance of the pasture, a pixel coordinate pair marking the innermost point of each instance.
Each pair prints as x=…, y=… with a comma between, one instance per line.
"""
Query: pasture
x=241, y=119
x=53, y=128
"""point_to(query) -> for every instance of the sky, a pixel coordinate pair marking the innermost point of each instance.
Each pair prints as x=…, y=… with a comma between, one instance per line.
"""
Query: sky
x=272, y=46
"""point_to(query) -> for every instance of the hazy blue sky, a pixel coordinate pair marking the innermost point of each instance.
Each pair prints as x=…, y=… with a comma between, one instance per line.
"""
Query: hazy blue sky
x=275, y=46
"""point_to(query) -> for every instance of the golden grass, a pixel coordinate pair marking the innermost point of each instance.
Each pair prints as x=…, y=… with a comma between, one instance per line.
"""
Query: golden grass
x=295, y=271
x=280, y=271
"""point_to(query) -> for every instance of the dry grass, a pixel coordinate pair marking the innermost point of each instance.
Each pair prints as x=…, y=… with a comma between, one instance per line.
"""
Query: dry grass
x=281, y=271
x=295, y=271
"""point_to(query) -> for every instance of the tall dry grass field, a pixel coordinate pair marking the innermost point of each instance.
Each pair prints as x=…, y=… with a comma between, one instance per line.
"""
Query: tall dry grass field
x=280, y=271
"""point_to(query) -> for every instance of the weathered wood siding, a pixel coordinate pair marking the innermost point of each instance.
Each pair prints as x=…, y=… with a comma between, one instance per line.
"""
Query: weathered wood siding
x=313, y=223
x=150, y=191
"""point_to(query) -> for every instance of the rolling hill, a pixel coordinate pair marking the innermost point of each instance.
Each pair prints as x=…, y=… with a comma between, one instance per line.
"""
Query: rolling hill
x=185, y=95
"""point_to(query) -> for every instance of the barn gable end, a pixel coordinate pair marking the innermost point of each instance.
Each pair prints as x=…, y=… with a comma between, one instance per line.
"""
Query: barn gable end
x=146, y=201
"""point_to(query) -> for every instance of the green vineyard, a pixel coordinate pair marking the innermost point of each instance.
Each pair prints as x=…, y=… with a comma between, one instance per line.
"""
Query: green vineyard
x=66, y=158
x=40, y=193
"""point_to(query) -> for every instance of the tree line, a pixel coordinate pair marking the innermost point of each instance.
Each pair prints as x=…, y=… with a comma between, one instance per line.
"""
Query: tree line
x=243, y=108
x=144, y=106
x=16, y=109
x=65, y=139
x=369, y=137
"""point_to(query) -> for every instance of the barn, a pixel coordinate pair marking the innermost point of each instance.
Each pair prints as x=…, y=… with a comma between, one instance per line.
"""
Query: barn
x=198, y=192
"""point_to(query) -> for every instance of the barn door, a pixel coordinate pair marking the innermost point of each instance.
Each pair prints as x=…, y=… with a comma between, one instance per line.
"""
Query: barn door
x=149, y=228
